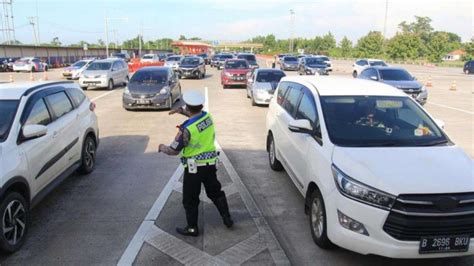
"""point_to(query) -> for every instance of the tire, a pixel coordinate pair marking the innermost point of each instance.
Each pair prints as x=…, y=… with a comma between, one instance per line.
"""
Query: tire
x=46, y=69
x=88, y=156
x=274, y=163
x=170, y=102
x=110, y=85
x=354, y=74
x=318, y=221
x=84, y=88
x=253, y=101
x=33, y=69
x=16, y=203
x=126, y=81
x=248, y=95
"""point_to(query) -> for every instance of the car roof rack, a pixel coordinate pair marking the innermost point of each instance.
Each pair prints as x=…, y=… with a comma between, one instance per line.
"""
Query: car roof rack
x=37, y=87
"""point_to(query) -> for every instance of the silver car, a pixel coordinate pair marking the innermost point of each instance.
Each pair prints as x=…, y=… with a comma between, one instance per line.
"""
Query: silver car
x=105, y=74
x=173, y=61
x=261, y=85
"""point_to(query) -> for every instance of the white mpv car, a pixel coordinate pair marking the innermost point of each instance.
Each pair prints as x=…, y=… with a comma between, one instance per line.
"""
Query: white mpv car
x=105, y=73
x=48, y=130
x=378, y=174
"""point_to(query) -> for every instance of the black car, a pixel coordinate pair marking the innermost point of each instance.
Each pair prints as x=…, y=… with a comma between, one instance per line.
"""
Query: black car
x=222, y=59
x=152, y=88
x=469, y=67
x=250, y=58
x=312, y=66
x=192, y=67
x=205, y=57
x=289, y=63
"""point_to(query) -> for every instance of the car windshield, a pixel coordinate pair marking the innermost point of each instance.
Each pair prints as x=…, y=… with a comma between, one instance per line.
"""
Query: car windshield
x=236, y=64
x=377, y=63
x=79, y=64
x=394, y=74
x=378, y=121
x=190, y=61
x=7, y=113
x=173, y=58
x=202, y=55
x=119, y=55
x=22, y=60
x=149, y=77
x=315, y=61
x=99, y=66
x=270, y=76
x=249, y=57
x=225, y=56
x=147, y=57
x=324, y=58
x=290, y=59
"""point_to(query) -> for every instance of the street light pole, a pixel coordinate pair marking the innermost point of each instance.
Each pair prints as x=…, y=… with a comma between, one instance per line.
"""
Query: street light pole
x=106, y=36
x=292, y=22
x=385, y=20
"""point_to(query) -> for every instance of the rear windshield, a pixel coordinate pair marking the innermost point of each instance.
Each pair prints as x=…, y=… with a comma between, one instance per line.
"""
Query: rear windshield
x=240, y=64
x=394, y=74
x=149, y=77
x=79, y=64
x=248, y=57
x=270, y=76
x=315, y=60
x=377, y=63
x=290, y=59
x=99, y=66
x=7, y=113
x=225, y=56
x=147, y=57
x=173, y=58
x=119, y=55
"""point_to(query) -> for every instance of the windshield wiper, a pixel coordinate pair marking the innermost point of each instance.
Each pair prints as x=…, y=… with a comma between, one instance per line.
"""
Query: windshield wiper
x=433, y=143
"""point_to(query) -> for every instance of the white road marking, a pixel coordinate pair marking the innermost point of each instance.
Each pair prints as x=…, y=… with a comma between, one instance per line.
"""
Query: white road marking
x=452, y=108
x=102, y=95
x=133, y=248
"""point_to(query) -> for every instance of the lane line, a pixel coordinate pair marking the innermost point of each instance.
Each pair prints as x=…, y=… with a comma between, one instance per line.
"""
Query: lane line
x=133, y=248
x=102, y=95
x=452, y=108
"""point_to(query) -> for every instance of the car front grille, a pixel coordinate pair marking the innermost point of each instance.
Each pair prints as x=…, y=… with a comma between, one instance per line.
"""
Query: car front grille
x=416, y=216
x=143, y=96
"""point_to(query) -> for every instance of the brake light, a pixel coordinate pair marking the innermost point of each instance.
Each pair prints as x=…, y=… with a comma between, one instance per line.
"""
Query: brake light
x=92, y=106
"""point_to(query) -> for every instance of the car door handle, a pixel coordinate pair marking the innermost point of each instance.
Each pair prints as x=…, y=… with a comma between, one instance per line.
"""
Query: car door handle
x=55, y=134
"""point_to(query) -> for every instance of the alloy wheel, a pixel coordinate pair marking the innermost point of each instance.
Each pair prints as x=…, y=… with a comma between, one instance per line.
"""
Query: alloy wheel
x=89, y=153
x=272, y=151
x=317, y=217
x=14, y=222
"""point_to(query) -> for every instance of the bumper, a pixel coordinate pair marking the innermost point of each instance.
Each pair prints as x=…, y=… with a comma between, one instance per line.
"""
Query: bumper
x=229, y=81
x=188, y=73
x=316, y=71
x=378, y=242
x=157, y=102
x=289, y=67
x=71, y=75
x=92, y=82
x=23, y=68
x=262, y=97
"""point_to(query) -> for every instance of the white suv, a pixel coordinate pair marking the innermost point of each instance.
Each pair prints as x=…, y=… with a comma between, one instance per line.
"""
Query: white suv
x=362, y=64
x=378, y=174
x=48, y=130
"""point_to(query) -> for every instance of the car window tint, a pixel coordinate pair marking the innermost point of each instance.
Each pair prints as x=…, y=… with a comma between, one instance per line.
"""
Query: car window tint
x=307, y=110
x=291, y=100
x=39, y=114
x=60, y=103
x=77, y=96
x=282, y=88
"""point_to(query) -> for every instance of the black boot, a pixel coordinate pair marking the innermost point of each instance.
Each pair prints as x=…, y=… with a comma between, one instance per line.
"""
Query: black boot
x=192, y=219
x=223, y=208
x=188, y=231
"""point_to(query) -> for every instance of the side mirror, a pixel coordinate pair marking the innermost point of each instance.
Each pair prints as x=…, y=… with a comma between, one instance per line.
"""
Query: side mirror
x=374, y=78
x=414, y=78
x=34, y=131
x=300, y=126
x=440, y=123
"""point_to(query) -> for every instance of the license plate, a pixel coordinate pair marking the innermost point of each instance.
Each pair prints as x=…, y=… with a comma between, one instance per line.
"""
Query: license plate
x=444, y=244
x=238, y=78
x=92, y=82
x=143, y=102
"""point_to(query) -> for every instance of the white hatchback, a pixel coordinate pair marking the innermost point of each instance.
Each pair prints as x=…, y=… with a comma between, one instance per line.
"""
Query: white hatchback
x=48, y=130
x=378, y=173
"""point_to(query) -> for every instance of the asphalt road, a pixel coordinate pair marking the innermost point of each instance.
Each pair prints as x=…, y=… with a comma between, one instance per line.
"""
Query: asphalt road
x=92, y=219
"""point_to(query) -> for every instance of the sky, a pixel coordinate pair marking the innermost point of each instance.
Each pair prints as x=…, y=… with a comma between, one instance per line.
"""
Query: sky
x=230, y=20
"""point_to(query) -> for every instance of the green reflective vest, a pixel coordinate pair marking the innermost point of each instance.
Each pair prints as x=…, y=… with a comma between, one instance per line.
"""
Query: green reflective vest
x=201, y=145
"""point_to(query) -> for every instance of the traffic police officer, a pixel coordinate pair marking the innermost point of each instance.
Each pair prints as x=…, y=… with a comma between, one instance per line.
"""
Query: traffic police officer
x=195, y=142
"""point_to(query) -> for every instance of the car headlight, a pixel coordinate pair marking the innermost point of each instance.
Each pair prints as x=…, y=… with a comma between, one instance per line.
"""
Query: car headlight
x=360, y=192
x=126, y=91
x=423, y=88
x=165, y=90
x=228, y=74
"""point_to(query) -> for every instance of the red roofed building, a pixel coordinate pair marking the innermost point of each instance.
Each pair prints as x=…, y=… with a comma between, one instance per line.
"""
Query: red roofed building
x=454, y=55
x=192, y=47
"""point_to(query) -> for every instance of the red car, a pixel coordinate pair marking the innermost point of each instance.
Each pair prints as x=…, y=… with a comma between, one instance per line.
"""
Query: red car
x=235, y=72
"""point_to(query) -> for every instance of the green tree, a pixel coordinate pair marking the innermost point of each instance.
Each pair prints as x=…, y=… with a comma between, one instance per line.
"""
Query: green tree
x=182, y=37
x=404, y=46
x=421, y=27
x=437, y=46
x=56, y=42
x=346, y=47
x=328, y=42
x=469, y=48
x=370, y=45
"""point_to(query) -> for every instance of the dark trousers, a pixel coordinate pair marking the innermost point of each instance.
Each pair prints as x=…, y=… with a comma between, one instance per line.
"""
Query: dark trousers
x=192, y=189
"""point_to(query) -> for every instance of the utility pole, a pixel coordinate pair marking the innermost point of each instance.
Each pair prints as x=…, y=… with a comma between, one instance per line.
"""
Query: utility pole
x=8, y=25
x=33, y=21
x=115, y=38
x=140, y=34
x=292, y=29
x=37, y=23
x=385, y=20
x=107, y=31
